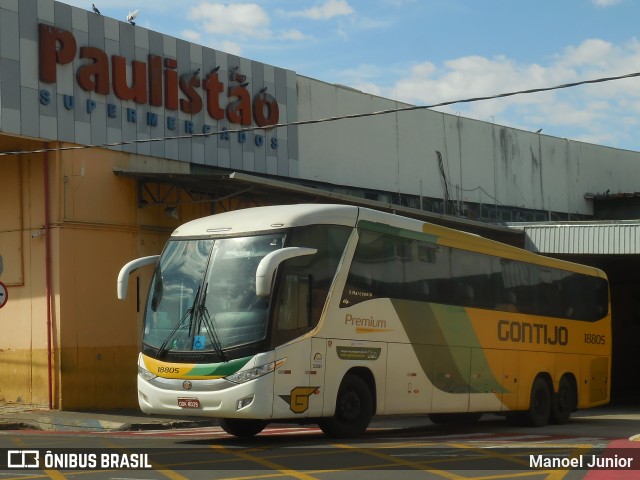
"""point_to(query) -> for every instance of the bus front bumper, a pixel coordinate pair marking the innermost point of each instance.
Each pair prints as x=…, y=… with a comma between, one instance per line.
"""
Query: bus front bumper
x=220, y=398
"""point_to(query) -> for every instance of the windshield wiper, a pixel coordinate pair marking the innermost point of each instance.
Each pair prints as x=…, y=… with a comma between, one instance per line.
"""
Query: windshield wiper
x=202, y=316
x=198, y=314
x=188, y=314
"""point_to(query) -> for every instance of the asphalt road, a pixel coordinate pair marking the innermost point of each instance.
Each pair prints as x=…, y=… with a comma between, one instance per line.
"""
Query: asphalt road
x=396, y=448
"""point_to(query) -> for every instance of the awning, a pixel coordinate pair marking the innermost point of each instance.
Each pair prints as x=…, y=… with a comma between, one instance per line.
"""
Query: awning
x=265, y=190
x=584, y=238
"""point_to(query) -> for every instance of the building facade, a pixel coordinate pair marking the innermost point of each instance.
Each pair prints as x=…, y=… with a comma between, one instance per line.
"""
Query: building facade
x=111, y=135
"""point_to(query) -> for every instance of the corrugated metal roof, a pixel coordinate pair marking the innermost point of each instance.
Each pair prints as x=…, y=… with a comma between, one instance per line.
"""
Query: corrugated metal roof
x=616, y=238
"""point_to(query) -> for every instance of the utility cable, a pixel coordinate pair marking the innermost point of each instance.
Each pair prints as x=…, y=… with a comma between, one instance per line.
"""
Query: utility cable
x=328, y=119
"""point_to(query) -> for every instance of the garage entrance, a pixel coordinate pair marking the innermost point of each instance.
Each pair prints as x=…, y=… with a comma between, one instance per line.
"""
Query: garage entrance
x=615, y=248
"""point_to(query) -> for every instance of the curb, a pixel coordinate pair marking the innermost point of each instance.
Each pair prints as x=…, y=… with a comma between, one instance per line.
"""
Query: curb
x=95, y=425
x=136, y=427
x=18, y=426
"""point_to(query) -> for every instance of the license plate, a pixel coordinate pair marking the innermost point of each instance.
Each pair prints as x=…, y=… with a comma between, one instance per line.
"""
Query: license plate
x=188, y=403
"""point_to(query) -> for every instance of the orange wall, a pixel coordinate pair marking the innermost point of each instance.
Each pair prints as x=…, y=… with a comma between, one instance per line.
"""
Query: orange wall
x=95, y=228
x=23, y=341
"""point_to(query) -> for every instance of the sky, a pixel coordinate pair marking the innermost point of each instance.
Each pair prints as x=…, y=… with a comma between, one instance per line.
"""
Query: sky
x=424, y=52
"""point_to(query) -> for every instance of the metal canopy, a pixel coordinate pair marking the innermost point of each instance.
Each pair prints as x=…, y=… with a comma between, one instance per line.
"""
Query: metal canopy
x=584, y=238
x=191, y=188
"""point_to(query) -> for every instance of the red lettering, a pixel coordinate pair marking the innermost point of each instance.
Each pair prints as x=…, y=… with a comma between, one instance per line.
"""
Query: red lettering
x=170, y=84
x=214, y=87
x=240, y=110
x=193, y=105
x=265, y=110
x=155, y=80
x=155, y=83
x=138, y=89
x=94, y=77
x=50, y=54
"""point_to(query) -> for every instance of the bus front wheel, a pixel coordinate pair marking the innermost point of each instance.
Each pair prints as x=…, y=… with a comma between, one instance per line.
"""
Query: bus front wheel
x=354, y=409
x=242, y=427
x=540, y=406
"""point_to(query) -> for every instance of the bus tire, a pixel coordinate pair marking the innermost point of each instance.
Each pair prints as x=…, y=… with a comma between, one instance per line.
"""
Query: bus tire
x=540, y=406
x=242, y=427
x=563, y=402
x=354, y=409
x=463, y=418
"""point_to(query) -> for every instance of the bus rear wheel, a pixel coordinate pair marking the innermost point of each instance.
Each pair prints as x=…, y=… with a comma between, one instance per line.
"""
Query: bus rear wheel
x=563, y=402
x=242, y=427
x=354, y=409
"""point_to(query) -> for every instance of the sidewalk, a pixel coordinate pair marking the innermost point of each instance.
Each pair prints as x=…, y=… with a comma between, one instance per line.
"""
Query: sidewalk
x=33, y=417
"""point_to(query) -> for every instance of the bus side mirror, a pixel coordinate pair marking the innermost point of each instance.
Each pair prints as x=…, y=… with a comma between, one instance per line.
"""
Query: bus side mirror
x=128, y=269
x=269, y=264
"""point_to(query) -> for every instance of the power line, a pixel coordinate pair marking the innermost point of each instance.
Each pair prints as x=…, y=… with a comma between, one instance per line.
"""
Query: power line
x=329, y=119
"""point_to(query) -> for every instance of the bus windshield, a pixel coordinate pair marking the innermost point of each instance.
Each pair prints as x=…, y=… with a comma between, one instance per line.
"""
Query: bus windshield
x=202, y=296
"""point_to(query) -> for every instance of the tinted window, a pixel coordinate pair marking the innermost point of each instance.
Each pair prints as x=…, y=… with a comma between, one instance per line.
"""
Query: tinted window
x=304, y=282
x=389, y=266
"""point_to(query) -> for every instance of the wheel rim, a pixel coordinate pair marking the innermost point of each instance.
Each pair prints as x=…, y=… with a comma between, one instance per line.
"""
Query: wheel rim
x=350, y=406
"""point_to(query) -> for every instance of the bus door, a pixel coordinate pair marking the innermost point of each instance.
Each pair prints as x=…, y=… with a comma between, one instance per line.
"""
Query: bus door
x=299, y=382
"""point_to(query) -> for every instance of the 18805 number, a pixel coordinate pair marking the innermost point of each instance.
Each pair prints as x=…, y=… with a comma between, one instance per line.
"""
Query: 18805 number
x=594, y=339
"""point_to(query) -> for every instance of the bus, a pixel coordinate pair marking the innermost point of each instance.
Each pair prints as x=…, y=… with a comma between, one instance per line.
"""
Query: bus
x=331, y=314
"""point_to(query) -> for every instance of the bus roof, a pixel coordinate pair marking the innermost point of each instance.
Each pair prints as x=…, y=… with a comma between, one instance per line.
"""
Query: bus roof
x=274, y=217
x=269, y=218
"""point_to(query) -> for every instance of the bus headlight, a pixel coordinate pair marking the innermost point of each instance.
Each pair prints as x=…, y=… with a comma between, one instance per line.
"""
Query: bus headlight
x=146, y=374
x=255, y=372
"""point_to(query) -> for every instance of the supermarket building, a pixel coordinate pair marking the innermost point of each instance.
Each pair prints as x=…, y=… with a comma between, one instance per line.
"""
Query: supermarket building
x=111, y=135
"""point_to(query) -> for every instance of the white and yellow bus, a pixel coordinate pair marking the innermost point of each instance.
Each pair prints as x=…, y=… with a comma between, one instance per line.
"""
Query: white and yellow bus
x=331, y=314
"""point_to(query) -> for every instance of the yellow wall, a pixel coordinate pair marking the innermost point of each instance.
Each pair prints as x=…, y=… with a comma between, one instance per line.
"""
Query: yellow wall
x=101, y=228
x=95, y=228
x=23, y=324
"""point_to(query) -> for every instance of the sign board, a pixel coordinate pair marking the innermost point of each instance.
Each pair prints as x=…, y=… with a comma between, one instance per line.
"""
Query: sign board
x=4, y=295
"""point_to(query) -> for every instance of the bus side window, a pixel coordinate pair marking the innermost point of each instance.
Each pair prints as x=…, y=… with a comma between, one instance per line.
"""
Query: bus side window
x=509, y=302
x=294, y=308
x=304, y=282
x=470, y=275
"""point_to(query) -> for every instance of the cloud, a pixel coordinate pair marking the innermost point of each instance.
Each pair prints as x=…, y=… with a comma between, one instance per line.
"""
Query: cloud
x=248, y=20
x=590, y=52
x=326, y=11
x=295, y=35
x=471, y=76
x=362, y=77
x=399, y=3
x=191, y=35
x=605, y=113
x=229, y=47
x=606, y=3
